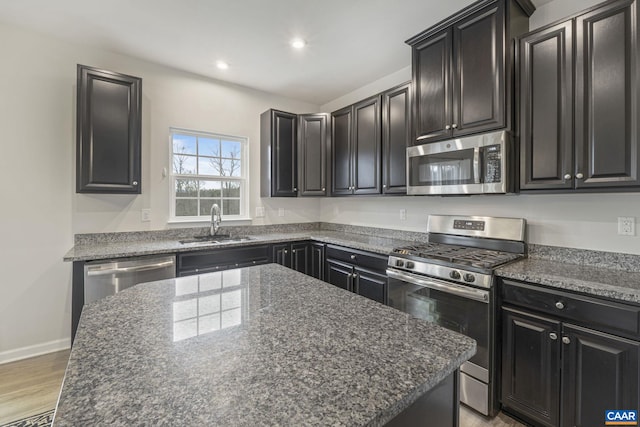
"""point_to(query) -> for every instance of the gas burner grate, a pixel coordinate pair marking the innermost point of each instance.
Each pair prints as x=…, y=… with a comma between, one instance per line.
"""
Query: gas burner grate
x=462, y=255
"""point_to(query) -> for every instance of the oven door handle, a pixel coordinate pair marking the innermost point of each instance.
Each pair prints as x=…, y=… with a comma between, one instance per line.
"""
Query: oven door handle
x=450, y=288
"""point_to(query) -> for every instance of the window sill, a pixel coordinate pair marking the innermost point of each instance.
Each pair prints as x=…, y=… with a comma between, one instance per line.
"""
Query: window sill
x=207, y=220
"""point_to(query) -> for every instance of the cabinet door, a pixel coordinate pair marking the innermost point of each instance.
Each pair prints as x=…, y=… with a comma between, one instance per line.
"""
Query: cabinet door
x=367, y=146
x=371, y=285
x=339, y=274
x=280, y=254
x=300, y=257
x=607, y=96
x=531, y=366
x=316, y=264
x=396, y=136
x=284, y=169
x=599, y=373
x=312, y=155
x=432, y=88
x=341, y=152
x=479, y=72
x=108, y=132
x=546, y=108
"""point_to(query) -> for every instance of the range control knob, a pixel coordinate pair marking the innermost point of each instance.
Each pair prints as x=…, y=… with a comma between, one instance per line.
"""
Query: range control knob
x=469, y=278
x=410, y=264
x=455, y=275
x=399, y=263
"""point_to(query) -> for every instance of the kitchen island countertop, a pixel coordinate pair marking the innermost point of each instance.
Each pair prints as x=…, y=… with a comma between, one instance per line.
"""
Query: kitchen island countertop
x=262, y=345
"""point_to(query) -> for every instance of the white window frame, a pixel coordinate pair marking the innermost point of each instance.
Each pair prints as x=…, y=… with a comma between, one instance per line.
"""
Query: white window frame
x=243, y=178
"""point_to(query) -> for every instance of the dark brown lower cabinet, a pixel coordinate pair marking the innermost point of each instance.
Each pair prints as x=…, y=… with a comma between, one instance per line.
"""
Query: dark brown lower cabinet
x=296, y=255
x=316, y=264
x=357, y=271
x=560, y=374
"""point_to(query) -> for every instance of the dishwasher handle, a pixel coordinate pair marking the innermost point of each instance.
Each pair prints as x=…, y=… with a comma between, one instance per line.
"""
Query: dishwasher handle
x=100, y=271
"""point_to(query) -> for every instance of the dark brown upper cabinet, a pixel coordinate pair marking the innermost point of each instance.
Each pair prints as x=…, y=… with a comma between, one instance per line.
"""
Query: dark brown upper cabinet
x=462, y=71
x=312, y=154
x=356, y=148
x=595, y=52
x=108, y=132
x=278, y=154
x=396, y=134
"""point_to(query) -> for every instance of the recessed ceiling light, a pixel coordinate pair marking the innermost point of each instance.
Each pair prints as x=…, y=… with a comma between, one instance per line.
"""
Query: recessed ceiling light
x=298, y=43
x=222, y=65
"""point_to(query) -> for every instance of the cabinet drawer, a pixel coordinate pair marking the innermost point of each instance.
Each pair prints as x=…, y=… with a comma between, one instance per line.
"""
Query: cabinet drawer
x=597, y=313
x=356, y=257
x=221, y=259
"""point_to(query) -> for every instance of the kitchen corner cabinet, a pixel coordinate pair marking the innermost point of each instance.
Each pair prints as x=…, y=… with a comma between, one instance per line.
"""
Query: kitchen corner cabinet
x=108, y=135
x=566, y=358
x=597, y=53
x=356, y=148
x=296, y=255
x=312, y=154
x=357, y=271
x=396, y=136
x=278, y=154
x=461, y=71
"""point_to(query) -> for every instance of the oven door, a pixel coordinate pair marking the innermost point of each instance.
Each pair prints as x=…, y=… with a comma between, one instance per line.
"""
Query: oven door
x=459, y=308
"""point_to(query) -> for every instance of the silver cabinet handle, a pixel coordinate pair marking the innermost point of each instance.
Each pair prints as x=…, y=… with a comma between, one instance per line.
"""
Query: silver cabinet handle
x=353, y=257
x=295, y=189
x=293, y=251
x=286, y=251
x=560, y=305
x=567, y=176
x=135, y=182
x=553, y=336
x=579, y=175
x=324, y=189
x=566, y=340
x=384, y=185
x=447, y=127
x=454, y=126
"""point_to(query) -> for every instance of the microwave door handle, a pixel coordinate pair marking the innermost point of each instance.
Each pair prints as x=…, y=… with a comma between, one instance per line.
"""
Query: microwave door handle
x=476, y=165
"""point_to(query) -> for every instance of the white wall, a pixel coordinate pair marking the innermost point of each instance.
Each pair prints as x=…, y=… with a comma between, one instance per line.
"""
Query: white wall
x=40, y=209
x=587, y=221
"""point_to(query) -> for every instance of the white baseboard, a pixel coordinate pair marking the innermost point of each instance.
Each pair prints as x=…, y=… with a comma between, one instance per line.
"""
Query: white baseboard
x=34, y=350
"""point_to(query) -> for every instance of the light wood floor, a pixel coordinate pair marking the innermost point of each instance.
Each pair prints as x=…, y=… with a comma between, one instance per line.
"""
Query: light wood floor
x=31, y=386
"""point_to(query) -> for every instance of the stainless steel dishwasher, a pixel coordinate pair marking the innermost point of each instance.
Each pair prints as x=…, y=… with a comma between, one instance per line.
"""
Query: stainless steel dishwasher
x=108, y=277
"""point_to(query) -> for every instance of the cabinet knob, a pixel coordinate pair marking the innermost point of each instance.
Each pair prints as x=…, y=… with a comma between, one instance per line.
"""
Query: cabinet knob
x=567, y=176
x=553, y=336
x=324, y=189
x=559, y=305
x=447, y=127
x=295, y=190
x=135, y=183
x=566, y=340
x=579, y=175
x=293, y=251
x=454, y=126
x=384, y=185
x=286, y=251
x=353, y=257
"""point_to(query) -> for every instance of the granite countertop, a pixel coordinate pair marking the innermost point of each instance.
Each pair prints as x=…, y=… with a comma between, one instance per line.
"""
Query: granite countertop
x=600, y=281
x=120, y=249
x=262, y=345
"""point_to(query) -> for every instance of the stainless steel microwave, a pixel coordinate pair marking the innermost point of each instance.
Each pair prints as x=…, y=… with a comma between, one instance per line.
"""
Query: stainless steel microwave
x=477, y=164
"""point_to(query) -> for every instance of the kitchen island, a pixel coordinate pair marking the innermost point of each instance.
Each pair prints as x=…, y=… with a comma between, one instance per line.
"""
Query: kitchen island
x=262, y=345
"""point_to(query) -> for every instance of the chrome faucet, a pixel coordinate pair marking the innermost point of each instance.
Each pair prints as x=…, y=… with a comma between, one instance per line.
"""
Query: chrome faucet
x=216, y=219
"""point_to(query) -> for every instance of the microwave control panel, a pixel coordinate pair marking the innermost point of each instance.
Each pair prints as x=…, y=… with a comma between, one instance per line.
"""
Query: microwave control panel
x=492, y=164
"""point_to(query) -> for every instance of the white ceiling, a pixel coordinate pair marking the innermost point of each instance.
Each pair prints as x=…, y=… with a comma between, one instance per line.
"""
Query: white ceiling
x=350, y=42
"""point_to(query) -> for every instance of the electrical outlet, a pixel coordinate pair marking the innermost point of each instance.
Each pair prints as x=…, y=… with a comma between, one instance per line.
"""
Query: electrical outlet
x=145, y=215
x=280, y=211
x=403, y=214
x=259, y=211
x=626, y=226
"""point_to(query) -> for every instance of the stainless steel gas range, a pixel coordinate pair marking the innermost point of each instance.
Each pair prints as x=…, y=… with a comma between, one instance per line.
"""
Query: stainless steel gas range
x=450, y=281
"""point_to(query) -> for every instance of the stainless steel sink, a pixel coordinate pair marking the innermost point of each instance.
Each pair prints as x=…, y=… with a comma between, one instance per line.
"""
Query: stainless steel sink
x=217, y=239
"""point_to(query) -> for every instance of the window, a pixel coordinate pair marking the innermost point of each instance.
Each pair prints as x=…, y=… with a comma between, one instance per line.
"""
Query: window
x=206, y=169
